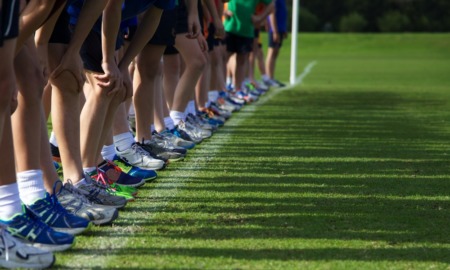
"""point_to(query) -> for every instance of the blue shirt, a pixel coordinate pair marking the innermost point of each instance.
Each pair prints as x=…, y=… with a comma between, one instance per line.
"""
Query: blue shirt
x=281, y=16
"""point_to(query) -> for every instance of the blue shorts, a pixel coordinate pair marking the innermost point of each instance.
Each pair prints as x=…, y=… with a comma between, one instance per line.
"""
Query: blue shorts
x=9, y=20
x=272, y=43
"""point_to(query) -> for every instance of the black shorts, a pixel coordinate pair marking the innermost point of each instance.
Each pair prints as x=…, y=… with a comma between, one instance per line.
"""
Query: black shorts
x=272, y=43
x=238, y=44
x=91, y=51
x=181, y=26
x=9, y=20
x=211, y=40
x=61, y=33
x=165, y=33
x=170, y=50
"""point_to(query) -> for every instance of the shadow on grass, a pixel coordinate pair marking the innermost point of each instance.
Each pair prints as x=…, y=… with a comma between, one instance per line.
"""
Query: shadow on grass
x=367, y=166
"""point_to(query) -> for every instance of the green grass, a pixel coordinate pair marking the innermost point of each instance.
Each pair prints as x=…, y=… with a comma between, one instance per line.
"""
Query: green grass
x=350, y=170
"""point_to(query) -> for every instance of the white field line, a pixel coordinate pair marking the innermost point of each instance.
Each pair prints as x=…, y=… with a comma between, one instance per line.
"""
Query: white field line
x=165, y=191
x=191, y=168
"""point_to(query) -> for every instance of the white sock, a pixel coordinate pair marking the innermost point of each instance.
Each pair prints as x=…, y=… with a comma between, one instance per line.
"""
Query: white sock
x=213, y=95
x=108, y=152
x=152, y=128
x=190, y=108
x=265, y=77
x=81, y=182
x=123, y=141
x=53, y=139
x=89, y=170
x=228, y=80
x=31, y=186
x=168, y=122
x=177, y=117
x=10, y=204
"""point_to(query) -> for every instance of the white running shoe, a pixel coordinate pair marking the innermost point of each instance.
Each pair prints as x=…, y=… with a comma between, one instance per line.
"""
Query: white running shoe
x=74, y=202
x=138, y=157
x=15, y=254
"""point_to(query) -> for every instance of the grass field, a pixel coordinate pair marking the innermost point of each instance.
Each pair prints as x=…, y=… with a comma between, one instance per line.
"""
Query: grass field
x=349, y=170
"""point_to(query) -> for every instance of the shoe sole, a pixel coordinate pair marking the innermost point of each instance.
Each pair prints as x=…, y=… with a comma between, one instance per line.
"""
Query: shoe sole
x=72, y=231
x=106, y=221
x=13, y=265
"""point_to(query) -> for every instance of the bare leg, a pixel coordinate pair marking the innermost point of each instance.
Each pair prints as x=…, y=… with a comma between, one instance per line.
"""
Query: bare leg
x=195, y=63
x=171, y=72
x=160, y=102
x=66, y=115
x=272, y=55
x=202, y=88
x=147, y=65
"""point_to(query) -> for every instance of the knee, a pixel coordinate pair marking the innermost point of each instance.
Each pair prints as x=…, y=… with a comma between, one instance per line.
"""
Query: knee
x=198, y=63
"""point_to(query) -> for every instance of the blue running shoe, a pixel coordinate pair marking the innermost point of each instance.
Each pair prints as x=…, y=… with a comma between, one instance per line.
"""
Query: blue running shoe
x=147, y=175
x=51, y=212
x=31, y=230
x=118, y=176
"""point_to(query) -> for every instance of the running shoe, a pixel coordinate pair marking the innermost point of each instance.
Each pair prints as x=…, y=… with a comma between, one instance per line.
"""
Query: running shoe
x=159, y=151
x=76, y=203
x=31, y=230
x=167, y=144
x=183, y=135
x=51, y=212
x=203, y=124
x=176, y=140
x=125, y=192
x=197, y=138
x=97, y=193
x=15, y=254
x=116, y=175
x=137, y=156
x=197, y=130
x=147, y=175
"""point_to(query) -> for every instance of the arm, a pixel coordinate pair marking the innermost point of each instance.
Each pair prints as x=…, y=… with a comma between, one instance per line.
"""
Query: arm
x=71, y=60
x=193, y=21
x=31, y=18
x=112, y=16
x=220, y=32
x=257, y=20
x=274, y=27
x=144, y=33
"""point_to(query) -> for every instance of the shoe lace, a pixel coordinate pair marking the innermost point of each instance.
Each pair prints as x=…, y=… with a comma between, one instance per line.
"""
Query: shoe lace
x=69, y=186
x=139, y=150
x=57, y=207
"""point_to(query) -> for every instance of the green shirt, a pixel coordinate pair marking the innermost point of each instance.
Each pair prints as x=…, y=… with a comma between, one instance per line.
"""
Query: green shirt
x=241, y=22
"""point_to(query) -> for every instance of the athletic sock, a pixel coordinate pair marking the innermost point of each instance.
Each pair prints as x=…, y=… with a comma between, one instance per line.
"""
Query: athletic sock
x=123, y=141
x=31, y=186
x=265, y=77
x=152, y=128
x=108, y=152
x=168, y=122
x=190, y=108
x=213, y=95
x=10, y=204
x=89, y=170
x=177, y=117
x=53, y=139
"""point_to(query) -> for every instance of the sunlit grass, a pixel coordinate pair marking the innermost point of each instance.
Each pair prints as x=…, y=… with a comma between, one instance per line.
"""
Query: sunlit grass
x=348, y=171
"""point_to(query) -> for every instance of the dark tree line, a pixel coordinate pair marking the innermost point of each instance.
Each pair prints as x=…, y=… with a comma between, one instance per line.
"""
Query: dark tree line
x=374, y=15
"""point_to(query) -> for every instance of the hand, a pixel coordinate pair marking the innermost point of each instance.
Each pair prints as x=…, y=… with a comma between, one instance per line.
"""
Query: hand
x=228, y=14
x=72, y=63
x=111, y=78
x=220, y=30
x=202, y=43
x=193, y=26
x=276, y=37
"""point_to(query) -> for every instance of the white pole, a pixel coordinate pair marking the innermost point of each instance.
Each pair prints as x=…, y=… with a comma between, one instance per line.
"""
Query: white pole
x=294, y=34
